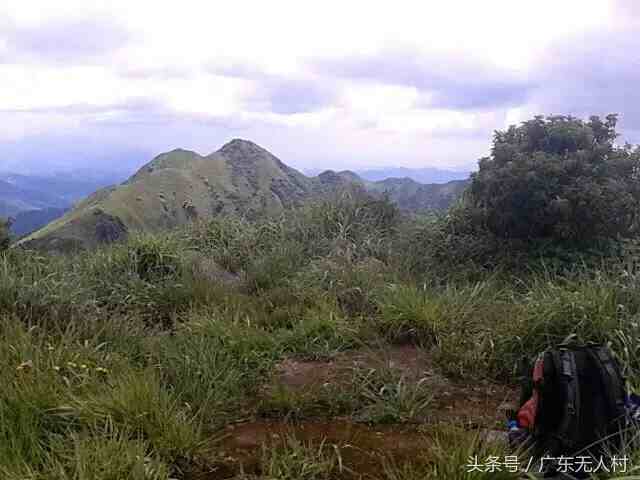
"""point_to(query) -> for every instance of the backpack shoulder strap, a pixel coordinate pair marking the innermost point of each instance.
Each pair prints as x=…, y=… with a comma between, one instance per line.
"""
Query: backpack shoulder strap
x=612, y=379
x=564, y=437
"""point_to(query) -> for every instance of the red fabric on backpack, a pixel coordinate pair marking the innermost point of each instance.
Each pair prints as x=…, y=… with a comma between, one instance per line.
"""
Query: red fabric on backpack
x=527, y=413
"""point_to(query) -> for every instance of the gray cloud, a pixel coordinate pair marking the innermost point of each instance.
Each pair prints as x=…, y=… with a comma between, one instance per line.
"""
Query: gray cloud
x=289, y=96
x=280, y=94
x=63, y=41
x=597, y=74
x=443, y=81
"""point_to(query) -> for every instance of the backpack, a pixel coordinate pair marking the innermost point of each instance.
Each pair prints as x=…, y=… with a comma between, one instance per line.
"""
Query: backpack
x=576, y=402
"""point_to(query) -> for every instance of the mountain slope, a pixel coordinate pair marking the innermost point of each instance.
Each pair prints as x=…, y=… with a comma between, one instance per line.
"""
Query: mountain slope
x=413, y=196
x=181, y=185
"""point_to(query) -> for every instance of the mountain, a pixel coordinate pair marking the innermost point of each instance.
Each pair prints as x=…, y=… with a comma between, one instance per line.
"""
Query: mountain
x=15, y=199
x=26, y=222
x=412, y=196
x=35, y=200
x=60, y=189
x=425, y=175
x=181, y=185
x=22, y=192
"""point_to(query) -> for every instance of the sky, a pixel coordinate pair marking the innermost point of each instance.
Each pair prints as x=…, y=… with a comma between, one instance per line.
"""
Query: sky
x=331, y=84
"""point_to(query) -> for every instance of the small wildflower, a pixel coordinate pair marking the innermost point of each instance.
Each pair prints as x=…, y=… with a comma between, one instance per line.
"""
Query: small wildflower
x=83, y=366
x=72, y=364
x=28, y=365
x=56, y=368
x=102, y=370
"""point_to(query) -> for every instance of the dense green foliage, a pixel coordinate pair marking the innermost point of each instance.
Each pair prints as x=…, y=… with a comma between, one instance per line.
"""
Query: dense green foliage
x=558, y=177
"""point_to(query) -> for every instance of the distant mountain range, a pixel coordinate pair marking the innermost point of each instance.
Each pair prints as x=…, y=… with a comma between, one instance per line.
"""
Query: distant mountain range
x=29, y=221
x=240, y=178
x=35, y=200
x=425, y=175
x=421, y=175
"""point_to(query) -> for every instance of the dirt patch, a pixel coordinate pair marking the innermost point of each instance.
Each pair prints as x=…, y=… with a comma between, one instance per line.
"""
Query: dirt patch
x=414, y=363
x=363, y=449
x=475, y=405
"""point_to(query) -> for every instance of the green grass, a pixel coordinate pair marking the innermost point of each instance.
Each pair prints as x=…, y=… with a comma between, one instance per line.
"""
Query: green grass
x=126, y=361
x=293, y=459
x=387, y=395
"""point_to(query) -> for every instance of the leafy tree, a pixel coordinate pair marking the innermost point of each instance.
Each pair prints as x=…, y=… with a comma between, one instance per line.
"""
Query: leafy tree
x=5, y=238
x=558, y=178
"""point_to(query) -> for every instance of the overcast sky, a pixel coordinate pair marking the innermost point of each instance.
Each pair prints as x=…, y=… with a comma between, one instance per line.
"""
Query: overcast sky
x=326, y=84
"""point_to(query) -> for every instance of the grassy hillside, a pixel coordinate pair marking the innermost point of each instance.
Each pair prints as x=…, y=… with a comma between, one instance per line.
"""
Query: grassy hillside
x=311, y=345
x=241, y=178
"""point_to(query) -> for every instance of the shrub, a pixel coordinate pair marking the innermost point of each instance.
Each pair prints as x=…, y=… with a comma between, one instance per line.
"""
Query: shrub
x=558, y=177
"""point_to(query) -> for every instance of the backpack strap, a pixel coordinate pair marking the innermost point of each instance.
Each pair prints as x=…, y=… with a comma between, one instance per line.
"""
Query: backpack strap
x=563, y=438
x=612, y=379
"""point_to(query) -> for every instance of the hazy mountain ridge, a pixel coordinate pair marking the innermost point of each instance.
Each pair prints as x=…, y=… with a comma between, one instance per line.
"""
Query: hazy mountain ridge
x=32, y=201
x=426, y=175
x=31, y=220
x=239, y=178
x=15, y=199
x=413, y=196
x=59, y=189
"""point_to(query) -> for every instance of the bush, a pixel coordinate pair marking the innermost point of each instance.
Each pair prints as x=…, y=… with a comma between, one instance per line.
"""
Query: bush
x=560, y=178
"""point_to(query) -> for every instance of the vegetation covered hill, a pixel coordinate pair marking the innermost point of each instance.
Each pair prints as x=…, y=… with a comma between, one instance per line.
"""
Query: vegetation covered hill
x=241, y=179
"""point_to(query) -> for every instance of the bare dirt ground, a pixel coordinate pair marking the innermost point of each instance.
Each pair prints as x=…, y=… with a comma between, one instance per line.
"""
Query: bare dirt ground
x=475, y=407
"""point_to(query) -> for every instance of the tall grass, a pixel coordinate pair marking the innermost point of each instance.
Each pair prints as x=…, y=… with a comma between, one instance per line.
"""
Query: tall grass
x=122, y=362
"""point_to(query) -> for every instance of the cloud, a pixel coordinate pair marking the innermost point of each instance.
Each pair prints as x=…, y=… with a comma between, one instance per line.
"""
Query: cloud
x=130, y=105
x=595, y=74
x=162, y=72
x=63, y=41
x=444, y=81
x=280, y=94
x=290, y=96
x=628, y=8
x=234, y=69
